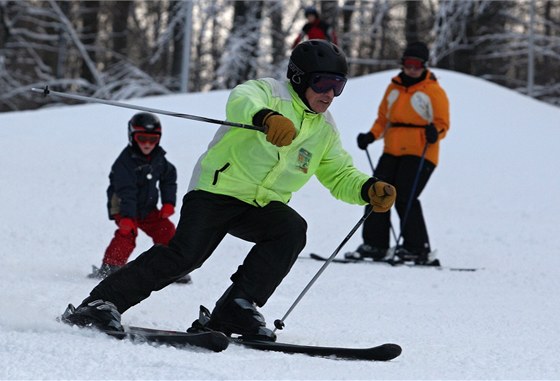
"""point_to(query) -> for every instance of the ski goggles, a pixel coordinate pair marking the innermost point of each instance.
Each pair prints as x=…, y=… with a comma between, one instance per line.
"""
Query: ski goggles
x=146, y=138
x=322, y=83
x=413, y=63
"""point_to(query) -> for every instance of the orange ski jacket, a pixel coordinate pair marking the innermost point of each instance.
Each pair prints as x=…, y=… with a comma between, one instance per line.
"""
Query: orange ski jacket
x=405, y=111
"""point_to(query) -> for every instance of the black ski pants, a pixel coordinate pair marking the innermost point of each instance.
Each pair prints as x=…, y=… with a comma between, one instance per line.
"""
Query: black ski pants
x=401, y=172
x=279, y=234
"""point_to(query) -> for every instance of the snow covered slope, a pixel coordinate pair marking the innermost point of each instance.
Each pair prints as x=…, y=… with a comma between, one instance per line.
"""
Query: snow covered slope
x=491, y=203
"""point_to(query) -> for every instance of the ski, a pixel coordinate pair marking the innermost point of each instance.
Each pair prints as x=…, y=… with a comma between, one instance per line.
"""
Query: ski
x=433, y=264
x=212, y=340
x=266, y=341
x=199, y=336
x=384, y=352
x=217, y=341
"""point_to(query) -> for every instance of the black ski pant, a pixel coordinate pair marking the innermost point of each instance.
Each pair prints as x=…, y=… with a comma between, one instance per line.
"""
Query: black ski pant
x=401, y=172
x=279, y=234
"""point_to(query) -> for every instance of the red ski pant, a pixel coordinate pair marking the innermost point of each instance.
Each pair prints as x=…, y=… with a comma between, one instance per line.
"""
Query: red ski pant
x=161, y=230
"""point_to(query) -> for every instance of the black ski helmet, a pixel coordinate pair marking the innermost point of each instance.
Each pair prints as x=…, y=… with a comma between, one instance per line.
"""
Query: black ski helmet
x=314, y=56
x=417, y=50
x=143, y=122
x=311, y=10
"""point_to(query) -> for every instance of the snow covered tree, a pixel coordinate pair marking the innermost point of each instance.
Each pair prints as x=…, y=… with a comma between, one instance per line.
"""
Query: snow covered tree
x=125, y=49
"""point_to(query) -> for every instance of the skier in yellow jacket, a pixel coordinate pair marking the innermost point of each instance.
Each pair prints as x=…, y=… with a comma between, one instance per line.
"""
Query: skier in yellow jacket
x=241, y=186
x=412, y=119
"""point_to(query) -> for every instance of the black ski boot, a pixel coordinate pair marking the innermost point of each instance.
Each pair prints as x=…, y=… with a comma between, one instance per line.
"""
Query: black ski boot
x=102, y=272
x=421, y=258
x=97, y=314
x=367, y=251
x=235, y=313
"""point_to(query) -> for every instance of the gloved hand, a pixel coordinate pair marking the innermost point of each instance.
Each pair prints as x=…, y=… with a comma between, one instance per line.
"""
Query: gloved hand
x=280, y=130
x=167, y=210
x=365, y=139
x=127, y=226
x=432, y=134
x=382, y=196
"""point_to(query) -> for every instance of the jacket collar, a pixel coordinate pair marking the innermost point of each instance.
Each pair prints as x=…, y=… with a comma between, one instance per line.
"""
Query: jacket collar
x=427, y=76
x=136, y=154
x=298, y=103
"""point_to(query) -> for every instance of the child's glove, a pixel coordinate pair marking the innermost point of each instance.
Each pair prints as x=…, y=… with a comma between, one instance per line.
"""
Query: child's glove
x=167, y=210
x=128, y=226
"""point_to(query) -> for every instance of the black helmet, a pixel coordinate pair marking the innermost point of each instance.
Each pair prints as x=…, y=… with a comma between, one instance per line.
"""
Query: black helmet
x=311, y=10
x=417, y=50
x=143, y=122
x=314, y=56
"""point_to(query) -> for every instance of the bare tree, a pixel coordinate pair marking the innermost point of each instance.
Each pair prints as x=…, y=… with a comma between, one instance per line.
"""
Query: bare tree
x=370, y=35
x=276, y=32
x=89, y=31
x=330, y=12
x=120, y=13
x=412, y=22
x=239, y=60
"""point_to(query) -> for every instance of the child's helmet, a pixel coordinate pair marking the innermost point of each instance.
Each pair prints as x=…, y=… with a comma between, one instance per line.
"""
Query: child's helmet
x=143, y=122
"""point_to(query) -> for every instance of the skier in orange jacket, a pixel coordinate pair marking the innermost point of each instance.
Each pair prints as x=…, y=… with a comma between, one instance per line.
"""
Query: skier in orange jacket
x=413, y=118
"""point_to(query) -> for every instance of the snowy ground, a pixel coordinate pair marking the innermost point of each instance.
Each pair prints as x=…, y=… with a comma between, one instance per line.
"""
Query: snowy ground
x=492, y=203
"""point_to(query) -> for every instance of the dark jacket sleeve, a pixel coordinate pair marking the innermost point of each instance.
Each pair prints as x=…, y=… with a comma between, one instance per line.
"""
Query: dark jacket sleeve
x=168, y=184
x=124, y=185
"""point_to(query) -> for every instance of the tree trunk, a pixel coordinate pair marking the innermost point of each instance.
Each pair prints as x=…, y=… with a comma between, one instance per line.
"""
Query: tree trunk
x=276, y=32
x=119, y=12
x=411, y=25
x=89, y=11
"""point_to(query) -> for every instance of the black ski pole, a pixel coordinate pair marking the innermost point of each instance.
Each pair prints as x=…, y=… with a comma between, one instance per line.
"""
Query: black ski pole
x=370, y=162
x=279, y=323
x=373, y=173
x=411, y=197
x=46, y=91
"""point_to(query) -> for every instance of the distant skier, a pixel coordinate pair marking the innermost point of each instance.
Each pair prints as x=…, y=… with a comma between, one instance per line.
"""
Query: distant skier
x=241, y=186
x=413, y=116
x=315, y=28
x=133, y=194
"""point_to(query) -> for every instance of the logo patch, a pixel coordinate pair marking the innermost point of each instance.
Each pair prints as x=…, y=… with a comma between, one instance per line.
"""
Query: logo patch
x=304, y=157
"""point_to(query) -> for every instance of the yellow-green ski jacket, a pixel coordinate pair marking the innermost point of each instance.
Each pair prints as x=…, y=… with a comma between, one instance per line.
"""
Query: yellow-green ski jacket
x=242, y=164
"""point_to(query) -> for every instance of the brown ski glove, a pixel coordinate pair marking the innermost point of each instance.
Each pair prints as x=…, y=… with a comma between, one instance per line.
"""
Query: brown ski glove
x=280, y=130
x=382, y=196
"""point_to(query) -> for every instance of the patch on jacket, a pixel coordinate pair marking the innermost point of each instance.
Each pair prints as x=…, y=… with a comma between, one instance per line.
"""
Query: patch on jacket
x=422, y=104
x=304, y=157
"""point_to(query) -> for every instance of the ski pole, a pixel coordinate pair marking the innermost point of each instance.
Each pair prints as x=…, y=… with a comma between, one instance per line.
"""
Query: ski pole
x=373, y=172
x=279, y=323
x=370, y=162
x=46, y=91
x=411, y=197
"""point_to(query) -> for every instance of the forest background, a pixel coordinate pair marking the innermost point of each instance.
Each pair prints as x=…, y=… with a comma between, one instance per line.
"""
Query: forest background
x=130, y=49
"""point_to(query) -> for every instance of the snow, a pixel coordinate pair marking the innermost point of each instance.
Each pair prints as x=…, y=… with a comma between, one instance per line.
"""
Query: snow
x=492, y=204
